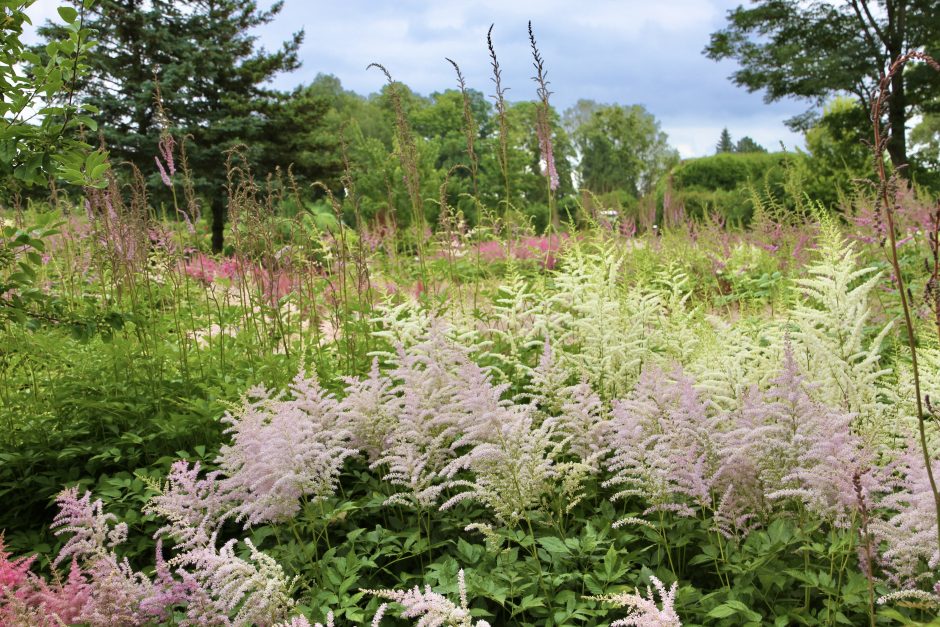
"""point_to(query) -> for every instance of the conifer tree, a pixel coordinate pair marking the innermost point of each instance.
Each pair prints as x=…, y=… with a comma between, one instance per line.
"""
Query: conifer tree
x=211, y=77
x=724, y=142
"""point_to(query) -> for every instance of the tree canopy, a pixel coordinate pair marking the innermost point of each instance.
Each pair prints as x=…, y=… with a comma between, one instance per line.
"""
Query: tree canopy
x=817, y=50
x=620, y=147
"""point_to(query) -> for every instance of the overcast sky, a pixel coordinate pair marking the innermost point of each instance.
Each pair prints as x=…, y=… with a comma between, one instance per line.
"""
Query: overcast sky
x=613, y=51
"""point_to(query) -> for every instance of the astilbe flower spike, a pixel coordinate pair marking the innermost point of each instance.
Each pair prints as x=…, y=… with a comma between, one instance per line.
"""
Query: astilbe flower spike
x=643, y=610
x=194, y=507
x=662, y=446
x=433, y=609
x=256, y=591
x=366, y=410
x=90, y=527
x=64, y=600
x=301, y=621
x=165, y=148
x=909, y=557
x=425, y=399
x=13, y=573
x=282, y=450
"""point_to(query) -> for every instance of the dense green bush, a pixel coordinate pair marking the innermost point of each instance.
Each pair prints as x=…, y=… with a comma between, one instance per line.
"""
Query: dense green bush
x=725, y=183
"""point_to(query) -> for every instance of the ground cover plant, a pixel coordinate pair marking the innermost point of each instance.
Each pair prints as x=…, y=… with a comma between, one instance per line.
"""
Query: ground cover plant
x=462, y=411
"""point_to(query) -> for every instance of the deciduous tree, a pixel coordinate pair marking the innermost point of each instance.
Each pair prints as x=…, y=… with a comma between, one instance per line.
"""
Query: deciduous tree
x=816, y=50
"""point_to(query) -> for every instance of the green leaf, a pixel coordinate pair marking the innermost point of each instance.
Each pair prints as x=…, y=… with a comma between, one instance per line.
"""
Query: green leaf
x=68, y=14
x=553, y=545
x=722, y=611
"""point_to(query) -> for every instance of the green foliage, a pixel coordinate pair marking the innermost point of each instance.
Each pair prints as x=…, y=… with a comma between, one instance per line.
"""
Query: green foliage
x=838, y=155
x=620, y=148
x=746, y=144
x=819, y=50
x=725, y=144
x=202, y=58
x=41, y=120
x=725, y=183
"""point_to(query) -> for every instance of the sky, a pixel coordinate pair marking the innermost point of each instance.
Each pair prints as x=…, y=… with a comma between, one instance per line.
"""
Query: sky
x=612, y=51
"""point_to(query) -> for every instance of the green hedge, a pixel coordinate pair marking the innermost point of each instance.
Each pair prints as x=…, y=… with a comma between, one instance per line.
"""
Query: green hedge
x=724, y=183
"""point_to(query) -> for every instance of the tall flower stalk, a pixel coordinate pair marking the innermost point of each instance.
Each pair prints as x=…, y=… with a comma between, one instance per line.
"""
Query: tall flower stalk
x=886, y=184
x=543, y=126
x=500, y=98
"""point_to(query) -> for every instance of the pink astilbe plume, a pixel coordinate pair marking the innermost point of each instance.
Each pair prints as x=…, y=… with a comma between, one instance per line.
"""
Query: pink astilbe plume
x=644, y=612
x=194, y=507
x=785, y=445
x=513, y=475
x=282, y=450
x=165, y=148
x=548, y=154
x=118, y=594
x=586, y=422
x=481, y=410
x=432, y=609
x=366, y=411
x=64, y=600
x=426, y=401
x=662, y=445
x=255, y=590
x=13, y=572
x=169, y=592
x=910, y=558
x=93, y=532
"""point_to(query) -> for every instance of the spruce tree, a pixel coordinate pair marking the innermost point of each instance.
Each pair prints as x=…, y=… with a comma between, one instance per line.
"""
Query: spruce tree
x=211, y=76
x=724, y=142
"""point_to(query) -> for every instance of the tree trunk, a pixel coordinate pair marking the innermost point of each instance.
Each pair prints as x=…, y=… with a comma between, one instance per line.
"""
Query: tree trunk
x=218, y=223
x=897, y=143
x=897, y=101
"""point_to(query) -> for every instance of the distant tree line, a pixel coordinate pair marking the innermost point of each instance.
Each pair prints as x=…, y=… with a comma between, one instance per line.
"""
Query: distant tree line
x=192, y=70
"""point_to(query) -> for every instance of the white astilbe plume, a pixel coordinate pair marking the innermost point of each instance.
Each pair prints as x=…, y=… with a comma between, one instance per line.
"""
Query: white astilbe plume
x=611, y=325
x=662, y=445
x=829, y=342
x=678, y=333
x=194, y=507
x=734, y=358
x=547, y=381
x=928, y=361
x=254, y=590
x=282, y=450
x=409, y=323
x=403, y=324
x=514, y=475
x=644, y=612
x=519, y=320
x=433, y=609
